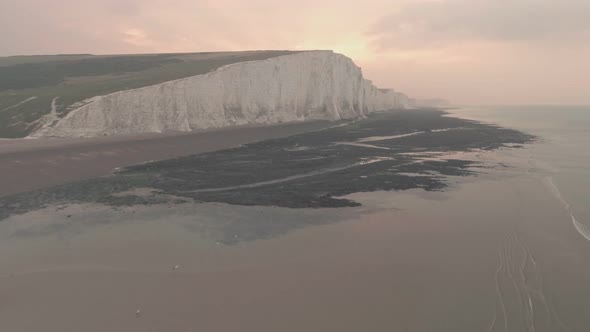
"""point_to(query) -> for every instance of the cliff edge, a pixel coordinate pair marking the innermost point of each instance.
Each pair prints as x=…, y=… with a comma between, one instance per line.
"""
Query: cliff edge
x=313, y=85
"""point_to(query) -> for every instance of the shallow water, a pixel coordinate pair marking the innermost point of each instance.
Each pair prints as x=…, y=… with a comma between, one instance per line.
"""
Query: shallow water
x=563, y=155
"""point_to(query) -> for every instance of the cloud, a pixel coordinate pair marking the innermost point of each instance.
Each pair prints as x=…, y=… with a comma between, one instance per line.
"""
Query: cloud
x=123, y=7
x=471, y=51
x=427, y=24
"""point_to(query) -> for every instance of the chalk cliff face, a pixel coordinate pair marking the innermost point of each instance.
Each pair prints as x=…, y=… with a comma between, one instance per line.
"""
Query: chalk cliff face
x=314, y=85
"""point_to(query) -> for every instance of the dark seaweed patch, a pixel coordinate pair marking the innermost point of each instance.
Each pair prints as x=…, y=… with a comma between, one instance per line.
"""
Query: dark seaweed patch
x=303, y=171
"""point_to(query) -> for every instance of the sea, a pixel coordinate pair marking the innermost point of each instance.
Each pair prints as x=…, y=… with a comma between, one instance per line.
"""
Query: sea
x=561, y=156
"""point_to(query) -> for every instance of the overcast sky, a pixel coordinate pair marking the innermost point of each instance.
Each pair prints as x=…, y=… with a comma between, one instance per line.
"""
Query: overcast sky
x=469, y=51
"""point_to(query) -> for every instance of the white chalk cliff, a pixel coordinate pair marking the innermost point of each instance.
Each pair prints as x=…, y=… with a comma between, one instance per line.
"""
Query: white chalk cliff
x=313, y=85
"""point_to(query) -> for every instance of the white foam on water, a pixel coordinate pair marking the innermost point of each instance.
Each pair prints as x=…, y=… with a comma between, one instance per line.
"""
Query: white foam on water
x=581, y=228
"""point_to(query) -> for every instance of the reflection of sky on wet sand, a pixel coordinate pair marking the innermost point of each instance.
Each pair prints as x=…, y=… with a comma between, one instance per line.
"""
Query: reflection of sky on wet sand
x=395, y=262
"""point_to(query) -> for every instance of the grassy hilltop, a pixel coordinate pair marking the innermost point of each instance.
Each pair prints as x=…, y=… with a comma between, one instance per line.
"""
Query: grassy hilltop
x=29, y=85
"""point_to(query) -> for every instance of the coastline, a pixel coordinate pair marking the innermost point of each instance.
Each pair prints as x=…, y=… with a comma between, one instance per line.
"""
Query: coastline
x=487, y=253
x=305, y=170
x=42, y=162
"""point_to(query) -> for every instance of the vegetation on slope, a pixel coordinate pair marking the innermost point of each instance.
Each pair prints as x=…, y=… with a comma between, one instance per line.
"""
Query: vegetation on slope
x=29, y=85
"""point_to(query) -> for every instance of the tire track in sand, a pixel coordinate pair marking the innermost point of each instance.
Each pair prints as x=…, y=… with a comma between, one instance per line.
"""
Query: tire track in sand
x=521, y=304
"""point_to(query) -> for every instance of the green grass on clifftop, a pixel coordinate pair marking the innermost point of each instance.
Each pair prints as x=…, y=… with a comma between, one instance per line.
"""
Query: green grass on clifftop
x=29, y=84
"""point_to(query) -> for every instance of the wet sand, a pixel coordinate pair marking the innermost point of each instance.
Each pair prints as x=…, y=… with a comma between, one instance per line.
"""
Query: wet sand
x=27, y=164
x=496, y=252
x=408, y=261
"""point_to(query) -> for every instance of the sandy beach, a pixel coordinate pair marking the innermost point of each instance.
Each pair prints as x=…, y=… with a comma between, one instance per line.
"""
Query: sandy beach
x=28, y=164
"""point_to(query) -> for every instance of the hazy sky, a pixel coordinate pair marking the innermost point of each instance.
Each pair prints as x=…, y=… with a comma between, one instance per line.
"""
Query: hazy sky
x=469, y=51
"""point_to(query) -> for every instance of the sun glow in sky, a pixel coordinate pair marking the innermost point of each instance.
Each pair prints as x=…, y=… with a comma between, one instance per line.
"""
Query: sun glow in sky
x=469, y=51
